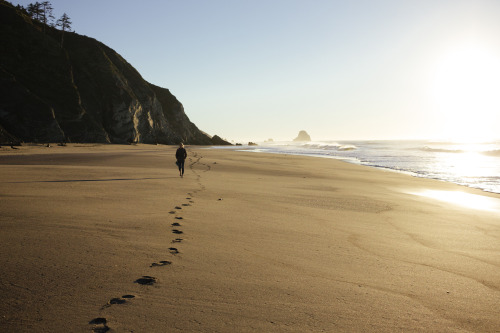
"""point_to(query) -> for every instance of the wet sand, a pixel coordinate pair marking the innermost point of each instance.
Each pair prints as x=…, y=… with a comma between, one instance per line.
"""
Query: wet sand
x=110, y=238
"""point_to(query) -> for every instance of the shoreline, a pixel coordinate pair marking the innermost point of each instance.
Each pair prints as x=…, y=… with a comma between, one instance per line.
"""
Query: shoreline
x=111, y=237
x=356, y=161
x=4, y=150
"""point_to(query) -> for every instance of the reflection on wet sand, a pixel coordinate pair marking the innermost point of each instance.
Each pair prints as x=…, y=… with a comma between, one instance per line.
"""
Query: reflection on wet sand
x=464, y=199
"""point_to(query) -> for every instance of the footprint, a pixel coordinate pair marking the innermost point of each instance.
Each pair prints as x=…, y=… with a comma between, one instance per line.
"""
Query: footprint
x=175, y=224
x=101, y=329
x=186, y=205
x=178, y=232
x=172, y=212
x=146, y=280
x=191, y=201
x=161, y=263
x=188, y=198
x=173, y=250
x=177, y=207
x=100, y=325
x=112, y=301
x=177, y=240
x=128, y=296
x=98, y=321
x=116, y=301
x=179, y=218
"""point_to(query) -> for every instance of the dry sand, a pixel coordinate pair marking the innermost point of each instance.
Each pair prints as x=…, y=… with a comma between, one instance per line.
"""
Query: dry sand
x=270, y=243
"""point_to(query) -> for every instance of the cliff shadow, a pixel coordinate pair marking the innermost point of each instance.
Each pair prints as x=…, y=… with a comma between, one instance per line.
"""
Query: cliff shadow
x=90, y=180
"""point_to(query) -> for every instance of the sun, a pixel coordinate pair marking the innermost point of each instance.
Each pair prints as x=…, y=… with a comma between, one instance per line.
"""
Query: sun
x=465, y=90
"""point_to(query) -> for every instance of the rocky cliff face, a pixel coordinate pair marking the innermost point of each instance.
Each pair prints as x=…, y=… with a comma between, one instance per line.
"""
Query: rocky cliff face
x=80, y=91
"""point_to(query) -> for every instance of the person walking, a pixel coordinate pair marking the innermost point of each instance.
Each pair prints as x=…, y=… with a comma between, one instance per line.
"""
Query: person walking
x=181, y=155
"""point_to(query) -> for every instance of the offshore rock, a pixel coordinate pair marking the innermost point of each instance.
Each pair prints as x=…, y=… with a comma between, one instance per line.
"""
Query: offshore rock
x=303, y=136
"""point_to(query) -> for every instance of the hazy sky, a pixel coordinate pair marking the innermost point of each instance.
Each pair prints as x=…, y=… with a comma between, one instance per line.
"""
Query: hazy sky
x=259, y=69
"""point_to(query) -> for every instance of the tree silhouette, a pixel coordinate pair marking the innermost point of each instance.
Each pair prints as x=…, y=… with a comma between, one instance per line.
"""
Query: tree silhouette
x=65, y=23
x=43, y=12
x=35, y=11
x=47, y=14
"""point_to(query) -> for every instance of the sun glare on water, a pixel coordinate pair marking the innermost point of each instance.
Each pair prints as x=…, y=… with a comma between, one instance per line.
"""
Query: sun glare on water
x=466, y=94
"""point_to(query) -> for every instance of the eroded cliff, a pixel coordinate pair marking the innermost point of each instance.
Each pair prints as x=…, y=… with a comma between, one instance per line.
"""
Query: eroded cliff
x=79, y=91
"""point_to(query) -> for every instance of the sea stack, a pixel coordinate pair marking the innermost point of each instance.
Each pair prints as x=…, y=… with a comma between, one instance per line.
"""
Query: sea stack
x=303, y=136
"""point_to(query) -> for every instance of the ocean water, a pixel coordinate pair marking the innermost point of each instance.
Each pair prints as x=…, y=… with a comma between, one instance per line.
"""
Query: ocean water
x=475, y=165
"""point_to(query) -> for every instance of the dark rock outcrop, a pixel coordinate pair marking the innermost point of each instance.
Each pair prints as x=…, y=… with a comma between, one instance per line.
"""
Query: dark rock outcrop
x=80, y=91
x=217, y=140
x=303, y=136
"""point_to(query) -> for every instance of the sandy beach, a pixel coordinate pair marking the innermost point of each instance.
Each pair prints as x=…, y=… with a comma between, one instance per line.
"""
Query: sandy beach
x=98, y=238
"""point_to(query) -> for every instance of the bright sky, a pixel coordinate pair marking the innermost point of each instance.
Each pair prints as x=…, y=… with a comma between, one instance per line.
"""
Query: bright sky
x=259, y=69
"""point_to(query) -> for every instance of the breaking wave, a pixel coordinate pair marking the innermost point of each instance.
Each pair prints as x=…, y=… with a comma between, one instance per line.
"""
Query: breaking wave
x=440, y=150
x=329, y=146
x=450, y=162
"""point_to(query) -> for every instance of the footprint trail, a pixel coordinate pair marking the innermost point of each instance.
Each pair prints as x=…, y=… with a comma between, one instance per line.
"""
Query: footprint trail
x=101, y=324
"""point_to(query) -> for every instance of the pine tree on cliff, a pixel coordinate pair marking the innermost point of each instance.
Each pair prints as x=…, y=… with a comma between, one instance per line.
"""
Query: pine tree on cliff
x=35, y=11
x=47, y=14
x=65, y=23
x=42, y=12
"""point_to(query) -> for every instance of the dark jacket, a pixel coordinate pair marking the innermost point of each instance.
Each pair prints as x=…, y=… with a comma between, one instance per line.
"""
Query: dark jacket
x=181, y=154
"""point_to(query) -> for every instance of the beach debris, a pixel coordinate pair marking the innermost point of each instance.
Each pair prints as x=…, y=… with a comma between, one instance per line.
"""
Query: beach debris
x=146, y=280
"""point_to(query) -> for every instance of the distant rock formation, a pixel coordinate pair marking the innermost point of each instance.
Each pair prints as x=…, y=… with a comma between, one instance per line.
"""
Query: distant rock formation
x=303, y=136
x=80, y=91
